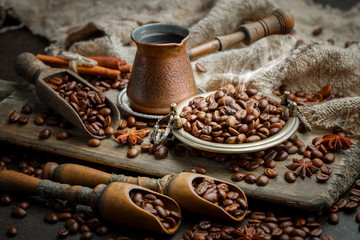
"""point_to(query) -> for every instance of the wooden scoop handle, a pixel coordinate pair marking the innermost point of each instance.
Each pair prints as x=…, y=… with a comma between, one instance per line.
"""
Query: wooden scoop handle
x=280, y=22
x=74, y=174
x=19, y=183
x=28, y=66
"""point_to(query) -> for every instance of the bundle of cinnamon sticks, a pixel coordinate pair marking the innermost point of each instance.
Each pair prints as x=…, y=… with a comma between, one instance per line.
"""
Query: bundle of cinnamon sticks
x=108, y=67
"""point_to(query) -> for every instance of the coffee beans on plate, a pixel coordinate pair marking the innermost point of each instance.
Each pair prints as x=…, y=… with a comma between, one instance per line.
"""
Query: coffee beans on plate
x=233, y=115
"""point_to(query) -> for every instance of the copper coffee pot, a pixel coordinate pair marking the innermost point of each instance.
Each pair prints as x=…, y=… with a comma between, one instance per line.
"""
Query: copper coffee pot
x=162, y=73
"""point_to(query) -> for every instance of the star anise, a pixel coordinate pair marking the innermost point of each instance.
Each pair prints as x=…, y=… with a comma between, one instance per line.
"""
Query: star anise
x=302, y=167
x=249, y=233
x=131, y=137
x=335, y=141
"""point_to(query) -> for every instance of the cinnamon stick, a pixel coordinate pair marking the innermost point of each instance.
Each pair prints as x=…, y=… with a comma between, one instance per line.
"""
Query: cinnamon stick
x=55, y=61
x=108, y=62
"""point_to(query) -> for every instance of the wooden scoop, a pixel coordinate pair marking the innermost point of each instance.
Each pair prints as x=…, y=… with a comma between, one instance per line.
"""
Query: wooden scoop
x=36, y=72
x=179, y=187
x=111, y=201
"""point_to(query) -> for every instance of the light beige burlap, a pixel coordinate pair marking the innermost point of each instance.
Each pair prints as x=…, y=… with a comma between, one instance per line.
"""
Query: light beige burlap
x=265, y=64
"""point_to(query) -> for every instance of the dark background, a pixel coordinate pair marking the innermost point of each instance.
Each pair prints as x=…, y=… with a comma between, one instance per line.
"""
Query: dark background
x=33, y=227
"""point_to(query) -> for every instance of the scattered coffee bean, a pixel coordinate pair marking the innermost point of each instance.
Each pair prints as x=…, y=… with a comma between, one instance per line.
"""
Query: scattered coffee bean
x=102, y=230
x=317, y=31
x=290, y=177
x=321, y=177
x=333, y=218
x=93, y=142
x=26, y=109
x=131, y=122
x=262, y=180
x=18, y=212
x=357, y=218
x=87, y=235
x=12, y=231
x=133, y=152
x=161, y=151
x=62, y=135
x=24, y=205
x=14, y=117
x=73, y=227
x=250, y=178
x=271, y=173
x=351, y=206
x=237, y=177
x=109, y=131
x=51, y=218
x=63, y=233
x=200, y=68
x=6, y=199
x=39, y=120
x=23, y=120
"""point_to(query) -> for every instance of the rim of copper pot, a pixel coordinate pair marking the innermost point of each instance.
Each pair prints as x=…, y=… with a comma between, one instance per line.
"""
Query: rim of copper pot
x=165, y=28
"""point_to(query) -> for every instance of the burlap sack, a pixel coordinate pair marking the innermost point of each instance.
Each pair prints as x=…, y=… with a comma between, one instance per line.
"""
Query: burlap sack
x=104, y=27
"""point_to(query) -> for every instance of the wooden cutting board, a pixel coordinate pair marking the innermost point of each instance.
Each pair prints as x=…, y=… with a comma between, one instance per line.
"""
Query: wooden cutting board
x=304, y=193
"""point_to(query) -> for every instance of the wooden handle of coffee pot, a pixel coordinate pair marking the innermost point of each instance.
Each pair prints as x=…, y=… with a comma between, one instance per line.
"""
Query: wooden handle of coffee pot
x=280, y=22
x=28, y=66
x=19, y=183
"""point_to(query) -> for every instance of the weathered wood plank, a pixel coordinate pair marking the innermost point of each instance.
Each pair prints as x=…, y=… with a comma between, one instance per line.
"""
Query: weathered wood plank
x=304, y=193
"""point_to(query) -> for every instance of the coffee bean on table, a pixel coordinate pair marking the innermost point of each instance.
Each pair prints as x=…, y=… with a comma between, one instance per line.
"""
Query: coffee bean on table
x=102, y=230
x=355, y=192
x=39, y=120
x=65, y=216
x=333, y=218
x=23, y=120
x=341, y=203
x=45, y=133
x=109, y=131
x=14, y=117
x=200, y=169
x=262, y=180
x=357, y=217
x=250, y=178
x=62, y=135
x=24, y=205
x=290, y=177
x=18, y=212
x=6, y=199
x=327, y=237
x=73, y=227
x=131, y=122
x=93, y=142
x=12, y=231
x=161, y=151
x=51, y=218
x=26, y=109
x=237, y=177
x=200, y=68
x=63, y=233
x=351, y=206
x=328, y=158
x=87, y=235
x=321, y=177
x=133, y=152
x=326, y=169
x=271, y=173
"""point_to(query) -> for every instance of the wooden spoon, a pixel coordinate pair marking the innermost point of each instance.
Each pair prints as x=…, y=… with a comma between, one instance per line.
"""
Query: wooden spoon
x=111, y=201
x=36, y=72
x=179, y=186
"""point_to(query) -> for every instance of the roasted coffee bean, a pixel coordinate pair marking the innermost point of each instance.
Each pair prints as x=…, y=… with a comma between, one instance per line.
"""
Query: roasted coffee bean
x=62, y=135
x=131, y=121
x=109, y=131
x=262, y=180
x=326, y=169
x=237, y=177
x=351, y=206
x=39, y=120
x=86, y=235
x=14, y=117
x=12, y=231
x=93, y=142
x=250, y=178
x=18, y=212
x=270, y=164
x=26, y=109
x=355, y=192
x=341, y=203
x=317, y=31
x=200, y=68
x=161, y=152
x=45, y=133
x=290, y=177
x=316, y=232
x=328, y=158
x=51, y=218
x=321, y=177
x=317, y=162
x=63, y=233
x=327, y=237
x=24, y=205
x=23, y=120
x=122, y=124
x=102, y=230
x=65, y=216
x=6, y=199
x=333, y=218
x=271, y=173
x=73, y=226
x=200, y=169
x=133, y=152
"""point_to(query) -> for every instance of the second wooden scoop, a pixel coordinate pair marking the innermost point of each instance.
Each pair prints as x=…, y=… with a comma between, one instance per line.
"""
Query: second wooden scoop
x=34, y=71
x=111, y=201
x=179, y=187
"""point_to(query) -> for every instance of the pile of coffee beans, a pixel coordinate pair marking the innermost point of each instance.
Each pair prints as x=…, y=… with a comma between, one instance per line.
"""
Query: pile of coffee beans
x=302, y=98
x=261, y=225
x=89, y=105
x=155, y=206
x=220, y=195
x=233, y=115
